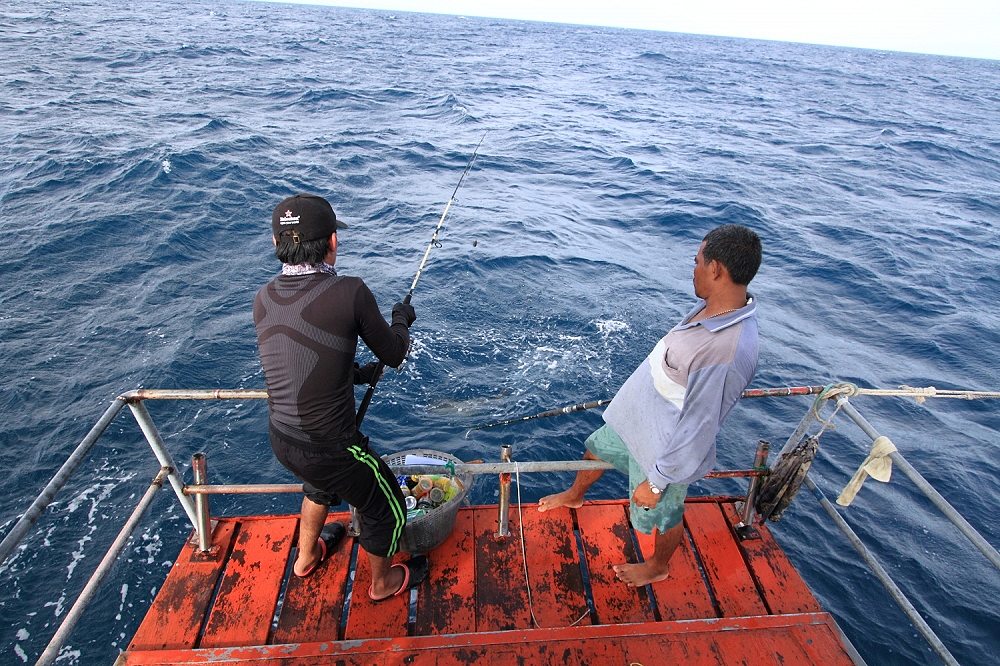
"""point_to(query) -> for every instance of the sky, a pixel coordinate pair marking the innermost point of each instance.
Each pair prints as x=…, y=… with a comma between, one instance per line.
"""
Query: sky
x=969, y=28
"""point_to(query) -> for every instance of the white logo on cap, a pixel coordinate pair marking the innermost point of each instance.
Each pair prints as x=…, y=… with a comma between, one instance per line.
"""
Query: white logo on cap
x=288, y=219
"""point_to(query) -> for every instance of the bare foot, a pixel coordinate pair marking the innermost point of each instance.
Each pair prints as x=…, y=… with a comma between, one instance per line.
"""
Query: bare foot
x=637, y=575
x=566, y=498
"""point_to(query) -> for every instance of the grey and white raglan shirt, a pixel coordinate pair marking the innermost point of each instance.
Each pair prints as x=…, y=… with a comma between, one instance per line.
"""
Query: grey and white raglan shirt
x=670, y=409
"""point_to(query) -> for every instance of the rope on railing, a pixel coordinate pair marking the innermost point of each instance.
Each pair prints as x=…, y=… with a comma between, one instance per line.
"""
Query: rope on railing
x=918, y=394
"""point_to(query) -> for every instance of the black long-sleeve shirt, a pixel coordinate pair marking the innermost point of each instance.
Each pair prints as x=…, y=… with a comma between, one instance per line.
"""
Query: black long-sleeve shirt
x=307, y=335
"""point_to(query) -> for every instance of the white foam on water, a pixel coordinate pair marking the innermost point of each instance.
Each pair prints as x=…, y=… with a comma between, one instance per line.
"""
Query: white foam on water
x=151, y=546
x=68, y=656
x=96, y=495
x=608, y=327
x=121, y=606
x=57, y=604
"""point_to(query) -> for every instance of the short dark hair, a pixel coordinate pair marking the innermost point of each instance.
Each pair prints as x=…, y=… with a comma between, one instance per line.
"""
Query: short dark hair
x=304, y=252
x=737, y=248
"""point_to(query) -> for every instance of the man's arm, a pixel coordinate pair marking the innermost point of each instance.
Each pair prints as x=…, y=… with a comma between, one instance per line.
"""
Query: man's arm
x=388, y=342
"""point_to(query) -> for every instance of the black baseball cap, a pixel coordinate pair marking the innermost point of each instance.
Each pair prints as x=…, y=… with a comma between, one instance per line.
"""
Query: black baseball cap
x=305, y=217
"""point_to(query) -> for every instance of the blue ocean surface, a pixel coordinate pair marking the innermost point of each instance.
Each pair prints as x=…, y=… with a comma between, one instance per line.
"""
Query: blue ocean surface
x=143, y=145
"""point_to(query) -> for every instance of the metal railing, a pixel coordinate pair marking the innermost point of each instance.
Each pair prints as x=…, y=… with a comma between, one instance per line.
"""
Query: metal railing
x=842, y=404
x=194, y=497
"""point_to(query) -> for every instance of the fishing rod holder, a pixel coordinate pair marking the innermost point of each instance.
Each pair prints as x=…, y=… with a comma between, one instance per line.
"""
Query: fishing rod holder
x=503, y=505
x=745, y=529
x=199, y=470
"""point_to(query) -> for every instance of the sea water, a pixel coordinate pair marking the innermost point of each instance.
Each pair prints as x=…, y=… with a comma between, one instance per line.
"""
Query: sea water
x=144, y=145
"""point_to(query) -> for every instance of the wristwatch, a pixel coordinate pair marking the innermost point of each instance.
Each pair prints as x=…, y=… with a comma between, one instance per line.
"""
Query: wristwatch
x=653, y=489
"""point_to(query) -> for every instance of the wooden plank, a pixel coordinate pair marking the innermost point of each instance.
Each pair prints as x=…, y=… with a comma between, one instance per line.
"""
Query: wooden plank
x=371, y=619
x=723, y=562
x=554, y=573
x=690, y=648
x=176, y=614
x=313, y=606
x=762, y=647
x=683, y=595
x=561, y=652
x=445, y=609
x=500, y=604
x=746, y=640
x=244, y=607
x=750, y=641
x=607, y=540
x=449, y=604
x=783, y=588
x=513, y=653
x=821, y=642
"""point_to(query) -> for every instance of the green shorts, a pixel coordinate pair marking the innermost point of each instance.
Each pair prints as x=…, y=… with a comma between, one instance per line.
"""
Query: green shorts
x=668, y=512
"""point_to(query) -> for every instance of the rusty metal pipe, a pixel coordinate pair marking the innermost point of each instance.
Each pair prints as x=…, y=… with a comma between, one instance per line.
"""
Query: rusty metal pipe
x=460, y=469
x=145, y=422
x=759, y=463
x=138, y=395
x=199, y=469
x=503, y=505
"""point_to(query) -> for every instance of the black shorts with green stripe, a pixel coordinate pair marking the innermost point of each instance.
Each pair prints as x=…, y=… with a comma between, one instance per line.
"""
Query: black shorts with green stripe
x=353, y=474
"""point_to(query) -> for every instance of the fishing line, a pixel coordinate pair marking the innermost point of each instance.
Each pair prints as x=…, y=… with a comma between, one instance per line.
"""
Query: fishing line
x=524, y=555
x=380, y=367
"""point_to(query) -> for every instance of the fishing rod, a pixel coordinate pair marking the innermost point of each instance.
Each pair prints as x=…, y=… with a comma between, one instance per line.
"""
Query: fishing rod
x=380, y=367
x=552, y=412
x=569, y=409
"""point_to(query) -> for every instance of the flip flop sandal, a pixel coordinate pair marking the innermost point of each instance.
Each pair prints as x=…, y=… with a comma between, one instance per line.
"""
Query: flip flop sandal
x=414, y=573
x=328, y=541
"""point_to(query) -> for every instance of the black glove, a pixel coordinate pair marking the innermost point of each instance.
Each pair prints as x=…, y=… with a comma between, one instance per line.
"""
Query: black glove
x=365, y=374
x=403, y=313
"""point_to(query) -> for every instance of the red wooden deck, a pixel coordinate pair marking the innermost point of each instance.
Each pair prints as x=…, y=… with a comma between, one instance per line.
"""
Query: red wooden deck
x=725, y=602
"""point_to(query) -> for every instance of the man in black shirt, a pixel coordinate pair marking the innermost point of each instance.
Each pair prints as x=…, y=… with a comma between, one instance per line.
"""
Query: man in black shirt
x=308, y=322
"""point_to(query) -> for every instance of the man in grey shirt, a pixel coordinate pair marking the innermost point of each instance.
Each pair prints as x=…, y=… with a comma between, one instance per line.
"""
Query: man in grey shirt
x=660, y=428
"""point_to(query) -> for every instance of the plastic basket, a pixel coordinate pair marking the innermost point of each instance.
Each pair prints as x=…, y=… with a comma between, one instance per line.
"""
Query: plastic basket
x=427, y=532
